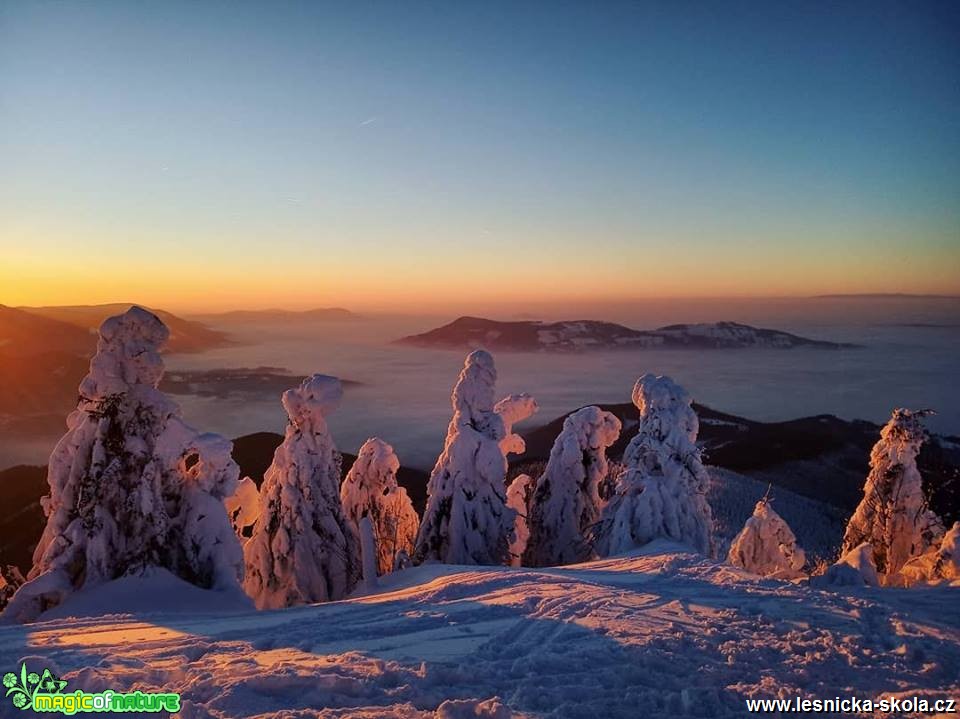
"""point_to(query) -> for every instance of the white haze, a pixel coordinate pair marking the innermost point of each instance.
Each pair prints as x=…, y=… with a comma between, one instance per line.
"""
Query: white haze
x=909, y=358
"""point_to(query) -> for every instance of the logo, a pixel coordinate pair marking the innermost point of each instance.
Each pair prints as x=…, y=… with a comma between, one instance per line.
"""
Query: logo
x=45, y=693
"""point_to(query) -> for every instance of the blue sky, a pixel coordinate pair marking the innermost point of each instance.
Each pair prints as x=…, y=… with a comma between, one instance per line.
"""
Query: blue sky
x=382, y=153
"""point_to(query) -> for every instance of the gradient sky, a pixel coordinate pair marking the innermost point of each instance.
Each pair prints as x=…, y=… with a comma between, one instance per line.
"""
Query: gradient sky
x=399, y=155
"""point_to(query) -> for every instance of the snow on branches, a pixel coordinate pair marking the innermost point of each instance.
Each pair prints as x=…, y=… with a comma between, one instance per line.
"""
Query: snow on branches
x=662, y=490
x=131, y=485
x=566, y=504
x=466, y=520
x=303, y=549
x=371, y=490
x=893, y=516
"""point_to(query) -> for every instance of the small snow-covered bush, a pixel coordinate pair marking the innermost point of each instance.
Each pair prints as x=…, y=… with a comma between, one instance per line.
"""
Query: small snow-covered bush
x=766, y=546
x=370, y=490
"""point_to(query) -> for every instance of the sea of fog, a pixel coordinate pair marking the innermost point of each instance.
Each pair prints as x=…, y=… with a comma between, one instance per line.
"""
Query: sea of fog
x=404, y=393
x=908, y=357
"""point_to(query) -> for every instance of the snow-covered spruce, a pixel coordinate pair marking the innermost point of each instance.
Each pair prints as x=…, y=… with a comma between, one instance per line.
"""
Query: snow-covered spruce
x=766, y=545
x=512, y=409
x=466, y=520
x=371, y=490
x=566, y=503
x=243, y=508
x=939, y=563
x=662, y=490
x=519, y=494
x=893, y=516
x=131, y=485
x=303, y=549
x=10, y=581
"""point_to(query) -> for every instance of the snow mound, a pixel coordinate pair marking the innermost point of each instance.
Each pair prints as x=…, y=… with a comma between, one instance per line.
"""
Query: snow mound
x=154, y=592
x=853, y=569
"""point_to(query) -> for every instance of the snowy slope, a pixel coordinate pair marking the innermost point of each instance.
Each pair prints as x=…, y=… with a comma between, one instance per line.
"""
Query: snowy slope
x=658, y=633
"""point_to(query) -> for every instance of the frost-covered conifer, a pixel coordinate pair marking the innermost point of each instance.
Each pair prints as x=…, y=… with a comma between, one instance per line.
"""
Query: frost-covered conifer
x=518, y=499
x=303, y=549
x=467, y=520
x=766, y=545
x=893, y=515
x=512, y=409
x=243, y=508
x=662, y=490
x=940, y=562
x=371, y=490
x=131, y=485
x=566, y=503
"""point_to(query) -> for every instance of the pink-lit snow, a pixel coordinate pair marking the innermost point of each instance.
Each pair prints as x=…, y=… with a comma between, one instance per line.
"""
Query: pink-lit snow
x=659, y=632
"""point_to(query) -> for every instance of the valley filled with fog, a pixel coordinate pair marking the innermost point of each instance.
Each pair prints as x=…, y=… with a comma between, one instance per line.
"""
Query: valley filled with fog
x=906, y=356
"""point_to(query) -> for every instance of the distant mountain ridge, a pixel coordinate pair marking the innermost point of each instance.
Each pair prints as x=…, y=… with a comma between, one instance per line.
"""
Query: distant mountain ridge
x=328, y=314
x=76, y=328
x=534, y=336
x=45, y=353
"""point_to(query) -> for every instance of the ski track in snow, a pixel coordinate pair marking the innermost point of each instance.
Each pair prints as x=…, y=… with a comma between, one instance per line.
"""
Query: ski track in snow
x=661, y=632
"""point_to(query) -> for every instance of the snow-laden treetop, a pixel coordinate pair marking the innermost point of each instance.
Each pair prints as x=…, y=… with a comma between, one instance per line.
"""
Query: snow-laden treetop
x=308, y=404
x=473, y=396
x=668, y=419
x=128, y=354
x=904, y=434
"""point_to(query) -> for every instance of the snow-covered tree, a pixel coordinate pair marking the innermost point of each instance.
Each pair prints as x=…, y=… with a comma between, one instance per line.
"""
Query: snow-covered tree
x=467, y=520
x=566, y=503
x=947, y=562
x=893, y=515
x=512, y=409
x=519, y=493
x=371, y=490
x=131, y=485
x=302, y=549
x=10, y=581
x=940, y=562
x=766, y=545
x=662, y=491
x=243, y=508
